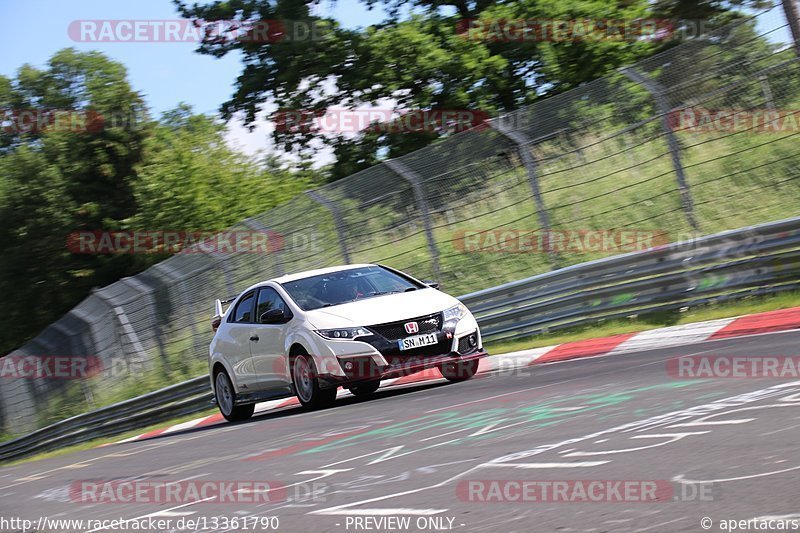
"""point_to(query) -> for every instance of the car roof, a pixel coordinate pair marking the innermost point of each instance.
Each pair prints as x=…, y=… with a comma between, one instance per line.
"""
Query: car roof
x=305, y=274
x=308, y=273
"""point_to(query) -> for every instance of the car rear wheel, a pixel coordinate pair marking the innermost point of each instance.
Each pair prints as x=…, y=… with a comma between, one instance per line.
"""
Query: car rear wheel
x=307, y=384
x=226, y=399
x=461, y=371
x=366, y=388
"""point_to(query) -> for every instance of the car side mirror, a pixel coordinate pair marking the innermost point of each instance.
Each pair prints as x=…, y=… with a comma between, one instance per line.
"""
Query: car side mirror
x=273, y=316
x=431, y=284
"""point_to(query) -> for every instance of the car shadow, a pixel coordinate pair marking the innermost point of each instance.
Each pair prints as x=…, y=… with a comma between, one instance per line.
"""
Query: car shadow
x=290, y=411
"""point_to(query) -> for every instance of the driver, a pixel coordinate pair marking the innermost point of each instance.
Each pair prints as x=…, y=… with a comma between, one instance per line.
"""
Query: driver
x=345, y=290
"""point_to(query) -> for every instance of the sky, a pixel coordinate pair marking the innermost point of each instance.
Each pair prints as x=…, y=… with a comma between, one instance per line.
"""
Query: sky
x=164, y=73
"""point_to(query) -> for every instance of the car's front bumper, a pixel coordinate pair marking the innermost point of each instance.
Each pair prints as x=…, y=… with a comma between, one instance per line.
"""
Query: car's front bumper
x=376, y=357
x=364, y=368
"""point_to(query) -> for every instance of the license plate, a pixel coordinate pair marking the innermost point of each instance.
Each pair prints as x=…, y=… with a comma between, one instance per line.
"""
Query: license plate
x=415, y=342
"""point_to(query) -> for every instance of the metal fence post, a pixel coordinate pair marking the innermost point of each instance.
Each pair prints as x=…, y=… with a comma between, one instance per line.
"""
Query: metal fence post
x=174, y=278
x=529, y=162
x=663, y=106
x=71, y=338
x=337, y=220
x=144, y=291
x=769, y=100
x=20, y=403
x=126, y=329
x=792, y=13
x=419, y=195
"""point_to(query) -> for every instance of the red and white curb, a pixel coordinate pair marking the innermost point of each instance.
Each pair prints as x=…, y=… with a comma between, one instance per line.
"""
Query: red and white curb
x=781, y=320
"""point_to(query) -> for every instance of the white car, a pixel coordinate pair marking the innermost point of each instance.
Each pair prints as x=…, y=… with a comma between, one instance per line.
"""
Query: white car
x=307, y=334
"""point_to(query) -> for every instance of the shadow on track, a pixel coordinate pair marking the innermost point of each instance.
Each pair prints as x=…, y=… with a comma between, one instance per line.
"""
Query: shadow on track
x=294, y=410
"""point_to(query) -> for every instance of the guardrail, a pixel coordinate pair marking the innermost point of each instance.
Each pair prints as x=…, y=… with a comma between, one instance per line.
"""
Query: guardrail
x=750, y=260
x=763, y=258
x=176, y=400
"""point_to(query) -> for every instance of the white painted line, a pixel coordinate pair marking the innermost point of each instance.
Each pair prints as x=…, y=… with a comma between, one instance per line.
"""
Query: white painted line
x=670, y=438
x=451, y=432
x=679, y=478
x=672, y=336
x=648, y=528
x=129, y=439
x=75, y=465
x=158, y=513
x=512, y=360
x=710, y=423
x=186, y=425
x=581, y=464
x=516, y=456
x=384, y=512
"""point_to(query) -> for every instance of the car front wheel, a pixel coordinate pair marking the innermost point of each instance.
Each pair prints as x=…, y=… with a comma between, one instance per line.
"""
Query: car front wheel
x=307, y=384
x=366, y=388
x=461, y=371
x=226, y=399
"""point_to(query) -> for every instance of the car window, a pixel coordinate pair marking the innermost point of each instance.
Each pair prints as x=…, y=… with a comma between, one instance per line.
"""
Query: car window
x=336, y=288
x=243, y=311
x=269, y=299
x=388, y=283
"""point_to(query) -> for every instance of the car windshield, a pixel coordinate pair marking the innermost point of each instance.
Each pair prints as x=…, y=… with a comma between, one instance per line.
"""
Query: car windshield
x=326, y=290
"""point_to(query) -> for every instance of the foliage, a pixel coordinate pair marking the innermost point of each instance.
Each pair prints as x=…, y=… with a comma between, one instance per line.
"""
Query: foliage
x=118, y=170
x=425, y=60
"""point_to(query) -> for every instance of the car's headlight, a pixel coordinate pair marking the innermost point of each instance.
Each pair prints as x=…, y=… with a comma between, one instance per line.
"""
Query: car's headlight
x=342, y=333
x=454, y=314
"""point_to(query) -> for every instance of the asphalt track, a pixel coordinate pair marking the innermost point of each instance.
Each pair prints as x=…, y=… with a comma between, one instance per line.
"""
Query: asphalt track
x=725, y=449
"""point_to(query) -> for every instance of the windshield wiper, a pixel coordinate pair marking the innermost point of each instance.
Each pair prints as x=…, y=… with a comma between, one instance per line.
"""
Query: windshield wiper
x=368, y=295
x=382, y=293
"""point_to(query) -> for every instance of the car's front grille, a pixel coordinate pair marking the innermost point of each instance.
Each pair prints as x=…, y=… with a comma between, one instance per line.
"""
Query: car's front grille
x=396, y=330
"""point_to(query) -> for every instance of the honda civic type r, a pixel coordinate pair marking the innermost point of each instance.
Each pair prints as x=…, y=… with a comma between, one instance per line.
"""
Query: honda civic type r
x=309, y=333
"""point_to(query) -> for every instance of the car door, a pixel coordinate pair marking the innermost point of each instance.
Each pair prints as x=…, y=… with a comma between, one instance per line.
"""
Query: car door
x=239, y=329
x=268, y=349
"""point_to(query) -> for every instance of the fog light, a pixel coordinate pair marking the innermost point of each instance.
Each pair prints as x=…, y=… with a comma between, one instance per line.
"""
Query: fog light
x=348, y=365
x=473, y=340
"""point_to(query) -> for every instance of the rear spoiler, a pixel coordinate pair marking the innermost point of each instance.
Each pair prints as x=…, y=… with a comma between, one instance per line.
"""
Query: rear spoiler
x=219, y=312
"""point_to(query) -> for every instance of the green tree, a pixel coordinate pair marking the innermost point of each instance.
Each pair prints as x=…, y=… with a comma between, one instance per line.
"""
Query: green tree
x=191, y=180
x=422, y=61
x=113, y=169
x=59, y=177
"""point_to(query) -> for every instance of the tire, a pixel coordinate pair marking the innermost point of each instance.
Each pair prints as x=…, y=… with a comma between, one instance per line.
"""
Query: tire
x=366, y=388
x=463, y=371
x=307, y=385
x=226, y=399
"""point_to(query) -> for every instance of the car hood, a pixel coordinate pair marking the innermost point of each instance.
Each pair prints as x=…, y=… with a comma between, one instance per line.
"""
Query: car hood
x=381, y=309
